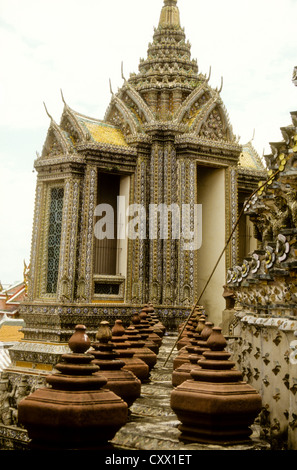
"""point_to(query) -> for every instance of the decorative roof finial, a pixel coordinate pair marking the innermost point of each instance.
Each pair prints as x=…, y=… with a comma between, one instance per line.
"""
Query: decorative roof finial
x=47, y=112
x=63, y=97
x=169, y=14
x=122, y=71
x=110, y=87
x=222, y=82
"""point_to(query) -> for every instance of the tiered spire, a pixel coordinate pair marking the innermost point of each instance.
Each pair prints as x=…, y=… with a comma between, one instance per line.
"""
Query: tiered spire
x=169, y=87
x=168, y=66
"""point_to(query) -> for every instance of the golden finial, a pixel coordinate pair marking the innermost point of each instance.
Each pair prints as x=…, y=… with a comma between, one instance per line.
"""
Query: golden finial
x=169, y=14
x=47, y=112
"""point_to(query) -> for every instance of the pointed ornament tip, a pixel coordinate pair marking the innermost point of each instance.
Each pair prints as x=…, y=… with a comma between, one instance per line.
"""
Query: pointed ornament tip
x=169, y=14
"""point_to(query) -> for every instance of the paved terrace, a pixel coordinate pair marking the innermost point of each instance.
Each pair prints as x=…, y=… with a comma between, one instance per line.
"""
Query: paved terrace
x=153, y=425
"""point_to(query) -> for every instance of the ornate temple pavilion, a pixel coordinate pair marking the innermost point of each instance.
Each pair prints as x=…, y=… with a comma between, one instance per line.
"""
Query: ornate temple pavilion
x=165, y=151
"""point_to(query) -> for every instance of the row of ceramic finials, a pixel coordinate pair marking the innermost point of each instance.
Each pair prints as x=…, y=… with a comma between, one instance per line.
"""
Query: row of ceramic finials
x=89, y=398
x=87, y=401
x=210, y=398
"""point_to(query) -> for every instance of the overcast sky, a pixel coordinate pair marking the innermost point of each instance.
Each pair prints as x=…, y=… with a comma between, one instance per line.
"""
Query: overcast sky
x=78, y=45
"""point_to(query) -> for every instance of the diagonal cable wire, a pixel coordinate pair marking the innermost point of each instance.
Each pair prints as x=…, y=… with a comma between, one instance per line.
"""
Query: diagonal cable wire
x=219, y=259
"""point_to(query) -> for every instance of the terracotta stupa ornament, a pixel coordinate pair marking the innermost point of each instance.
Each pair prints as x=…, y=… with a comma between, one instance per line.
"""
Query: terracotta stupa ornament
x=152, y=335
x=183, y=372
x=139, y=348
x=152, y=318
x=123, y=349
x=191, y=346
x=74, y=412
x=190, y=355
x=144, y=332
x=121, y=381
x=187, y=334
x=216, y=406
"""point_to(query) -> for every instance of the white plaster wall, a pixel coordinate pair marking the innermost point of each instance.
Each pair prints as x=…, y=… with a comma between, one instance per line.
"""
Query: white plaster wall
x=122, y=244
x=211, y=194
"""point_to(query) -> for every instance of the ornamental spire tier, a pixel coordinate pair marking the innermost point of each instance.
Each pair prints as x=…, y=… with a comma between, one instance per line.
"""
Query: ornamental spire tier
x=168, y=67
x=169, y=15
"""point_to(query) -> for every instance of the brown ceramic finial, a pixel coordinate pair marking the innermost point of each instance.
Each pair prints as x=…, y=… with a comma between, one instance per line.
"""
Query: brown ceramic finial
x=216, y=341
x=74, y=412
x=200, y=324
x=207, y=330
x=215, y=406
x=104, y=333
x=79, y=342
x=118, y=328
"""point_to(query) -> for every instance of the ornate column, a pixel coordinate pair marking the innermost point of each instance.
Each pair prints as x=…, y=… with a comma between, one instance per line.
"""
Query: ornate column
x=186, y=258
x=173, y=219
x=85, y=271
x=155, y=243
x=69, y=240
x=32, y=278
x=231, y=215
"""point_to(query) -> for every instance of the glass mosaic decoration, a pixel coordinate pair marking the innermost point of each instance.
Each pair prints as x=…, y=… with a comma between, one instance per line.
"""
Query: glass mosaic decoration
x=54, y=238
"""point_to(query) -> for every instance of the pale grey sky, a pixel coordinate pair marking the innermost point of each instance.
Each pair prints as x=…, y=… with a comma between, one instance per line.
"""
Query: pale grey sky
x=78, y=45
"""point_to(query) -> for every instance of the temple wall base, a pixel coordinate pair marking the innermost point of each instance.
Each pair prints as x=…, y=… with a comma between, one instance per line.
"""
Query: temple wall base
x=265, y=350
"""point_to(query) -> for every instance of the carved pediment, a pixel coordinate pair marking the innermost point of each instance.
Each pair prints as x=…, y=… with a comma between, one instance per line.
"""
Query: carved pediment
x=57, y=142
x=118, y=114
x=73, y=127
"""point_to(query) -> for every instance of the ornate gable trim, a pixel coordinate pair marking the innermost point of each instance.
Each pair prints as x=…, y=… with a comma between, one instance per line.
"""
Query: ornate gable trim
x=190, y=101
x=57, y=141
x=118, y=114
x=70, y=123
x=143, y=108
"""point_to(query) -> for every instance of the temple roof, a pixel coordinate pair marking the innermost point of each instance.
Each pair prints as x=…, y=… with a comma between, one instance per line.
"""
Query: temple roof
x=250, y=159
x=102, y=132
x=168, y=89
x=75, y=129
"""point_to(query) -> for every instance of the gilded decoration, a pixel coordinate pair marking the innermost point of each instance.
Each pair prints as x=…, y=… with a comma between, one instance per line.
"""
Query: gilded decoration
x=164, y=121
x=161, y=123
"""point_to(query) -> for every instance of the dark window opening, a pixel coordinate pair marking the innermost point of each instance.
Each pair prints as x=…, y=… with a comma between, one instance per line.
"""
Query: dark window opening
x=106, y=289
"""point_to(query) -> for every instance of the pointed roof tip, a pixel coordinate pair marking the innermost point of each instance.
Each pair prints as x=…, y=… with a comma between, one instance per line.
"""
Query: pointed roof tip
x=122, y=71
x=63, y=97
x=222, y=83
x=47, y=111
x=169, y=14
x=110, y=87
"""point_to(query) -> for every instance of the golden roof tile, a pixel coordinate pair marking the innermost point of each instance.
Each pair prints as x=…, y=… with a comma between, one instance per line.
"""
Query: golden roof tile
x=250, y=159
x=102, y=132
x=11, y=333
